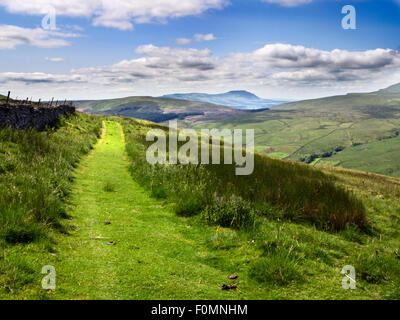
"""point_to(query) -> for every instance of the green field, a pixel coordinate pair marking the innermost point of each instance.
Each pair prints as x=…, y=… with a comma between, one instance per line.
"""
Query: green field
x=117, y=233
x=327, y=131
x=358, y=131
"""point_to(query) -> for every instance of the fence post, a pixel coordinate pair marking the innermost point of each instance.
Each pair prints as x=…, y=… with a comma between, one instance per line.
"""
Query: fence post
x=39, y=102
x=51, y=102
x=8, y=97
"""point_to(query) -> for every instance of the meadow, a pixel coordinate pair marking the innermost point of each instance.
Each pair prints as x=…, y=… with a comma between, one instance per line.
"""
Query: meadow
x=233, y=200
x=334, y=131
x=296, y=221
x=36, y=172
x=180, y=231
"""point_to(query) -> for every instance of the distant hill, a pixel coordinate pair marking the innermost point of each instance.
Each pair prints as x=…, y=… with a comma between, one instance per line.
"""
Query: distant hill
x=357, y=131
x=235, y=99
x=392, y=89
x=161, y=109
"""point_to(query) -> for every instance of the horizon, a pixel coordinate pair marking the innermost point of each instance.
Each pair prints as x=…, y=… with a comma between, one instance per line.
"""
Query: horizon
x=165, y=96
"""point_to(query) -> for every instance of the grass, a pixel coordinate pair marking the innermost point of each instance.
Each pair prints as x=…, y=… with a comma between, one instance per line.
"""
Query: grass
x=36, y=168
x=36, y=171
x=288, y=186
x=356, y=131
x=161, y=255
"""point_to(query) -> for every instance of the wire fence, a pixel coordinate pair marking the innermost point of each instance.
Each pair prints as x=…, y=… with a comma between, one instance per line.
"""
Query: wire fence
x=28, y=102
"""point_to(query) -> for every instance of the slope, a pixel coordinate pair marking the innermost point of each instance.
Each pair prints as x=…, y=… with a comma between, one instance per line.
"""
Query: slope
x=148, y=252
x=317, y=131
x=160, y=109
x=235, y=99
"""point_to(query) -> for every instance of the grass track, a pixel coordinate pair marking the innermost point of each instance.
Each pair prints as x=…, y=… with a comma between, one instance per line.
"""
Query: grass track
x=157, y=256
x=160, y=255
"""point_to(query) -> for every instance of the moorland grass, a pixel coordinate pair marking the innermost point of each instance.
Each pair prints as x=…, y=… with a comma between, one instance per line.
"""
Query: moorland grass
x=36, y=171
x=160, y=255
x=302, y=193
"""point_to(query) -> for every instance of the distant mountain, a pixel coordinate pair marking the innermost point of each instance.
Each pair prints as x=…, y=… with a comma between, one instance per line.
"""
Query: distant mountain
x=392, y=89
x=235, y=99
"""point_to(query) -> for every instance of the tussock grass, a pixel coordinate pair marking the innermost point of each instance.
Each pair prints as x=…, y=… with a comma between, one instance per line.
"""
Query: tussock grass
x=36, y=171
x=302, y=193
x=109, y=187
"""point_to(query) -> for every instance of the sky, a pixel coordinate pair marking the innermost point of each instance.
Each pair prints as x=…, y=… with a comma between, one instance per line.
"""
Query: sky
x=277, y=49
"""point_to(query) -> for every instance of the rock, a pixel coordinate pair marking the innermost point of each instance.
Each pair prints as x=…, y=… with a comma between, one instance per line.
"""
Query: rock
x=233, y=277
x=228, y=287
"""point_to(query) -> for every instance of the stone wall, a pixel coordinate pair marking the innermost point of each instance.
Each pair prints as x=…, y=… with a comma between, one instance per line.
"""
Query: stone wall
x=28, y=116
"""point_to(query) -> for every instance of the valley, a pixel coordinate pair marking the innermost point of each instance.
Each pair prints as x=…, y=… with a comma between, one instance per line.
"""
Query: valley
x=350, y=131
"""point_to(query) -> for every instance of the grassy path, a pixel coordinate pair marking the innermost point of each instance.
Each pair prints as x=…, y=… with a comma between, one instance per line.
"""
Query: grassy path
x=157, y=255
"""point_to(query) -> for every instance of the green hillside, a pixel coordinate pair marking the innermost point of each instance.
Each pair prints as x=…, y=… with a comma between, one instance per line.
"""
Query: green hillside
x=115, y=227
x=338, y=131
x=392, y=89
x=160, y=109
x=330, y=131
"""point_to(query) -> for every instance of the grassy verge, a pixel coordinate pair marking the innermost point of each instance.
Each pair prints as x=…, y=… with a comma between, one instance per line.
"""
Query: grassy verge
x=296, y=192
x=36, y=171
x=277, y=253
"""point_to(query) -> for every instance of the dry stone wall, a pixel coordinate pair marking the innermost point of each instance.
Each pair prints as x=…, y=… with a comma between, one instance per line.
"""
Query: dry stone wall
x=28, y=116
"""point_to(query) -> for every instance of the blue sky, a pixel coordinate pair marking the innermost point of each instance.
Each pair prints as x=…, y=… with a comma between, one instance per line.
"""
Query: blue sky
x=287, y=49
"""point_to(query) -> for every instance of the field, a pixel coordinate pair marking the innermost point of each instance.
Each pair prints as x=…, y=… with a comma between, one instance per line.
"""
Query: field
x=124, y=231
x=358, y=131
x=335, y=131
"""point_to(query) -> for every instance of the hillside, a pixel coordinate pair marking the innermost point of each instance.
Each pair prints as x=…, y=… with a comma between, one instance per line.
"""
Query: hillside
x=178, y=232
x=235, y=99
x=392, y=89
x=161, y=109
x=358, y=131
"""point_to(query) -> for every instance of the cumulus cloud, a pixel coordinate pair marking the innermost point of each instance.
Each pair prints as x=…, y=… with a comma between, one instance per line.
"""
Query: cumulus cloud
x=289, y=56
x=13, y=36
x=289, y=3
x=279, y=66
x=204, y=37
x=119, y=14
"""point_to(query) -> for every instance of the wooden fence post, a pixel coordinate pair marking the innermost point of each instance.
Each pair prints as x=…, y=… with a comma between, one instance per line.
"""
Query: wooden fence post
x=8, y=97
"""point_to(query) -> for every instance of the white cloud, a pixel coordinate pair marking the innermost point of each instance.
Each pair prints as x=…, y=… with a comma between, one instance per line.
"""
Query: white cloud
x=289, y=3
x=39, y=78
x=289, y=56
x=119, y=14
x=204, y=37
x=286, y=71
x=56, y=60
x=13, y=36
x=183, y=41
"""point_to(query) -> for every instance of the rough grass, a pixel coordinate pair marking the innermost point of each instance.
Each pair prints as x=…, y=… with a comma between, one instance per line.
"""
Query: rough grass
x=160, y=255
x=300, y=192
x=36, y=170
